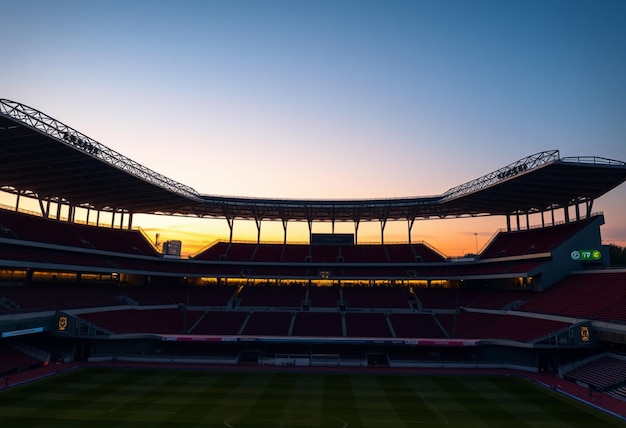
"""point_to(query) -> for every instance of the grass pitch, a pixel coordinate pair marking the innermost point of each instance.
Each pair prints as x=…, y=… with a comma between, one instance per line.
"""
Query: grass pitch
x=108, y=398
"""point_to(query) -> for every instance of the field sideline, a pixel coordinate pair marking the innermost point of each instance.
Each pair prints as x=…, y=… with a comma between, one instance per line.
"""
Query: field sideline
x=103, y=397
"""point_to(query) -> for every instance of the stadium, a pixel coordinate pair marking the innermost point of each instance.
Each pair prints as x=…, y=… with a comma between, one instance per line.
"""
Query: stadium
x=541, y=298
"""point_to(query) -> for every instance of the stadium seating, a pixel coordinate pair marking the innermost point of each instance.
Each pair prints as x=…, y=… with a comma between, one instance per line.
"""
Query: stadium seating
x=318, y=324
x=377, y=297
x=270, y=323
x=531, y=241
x=597, y=295
x=413, y=325
x=51, y=297
x=37, y=229
x=160, y=321
x=272, y=296
x=361, y=324
x=477, y=325
x=12, y=360
x=602, y=373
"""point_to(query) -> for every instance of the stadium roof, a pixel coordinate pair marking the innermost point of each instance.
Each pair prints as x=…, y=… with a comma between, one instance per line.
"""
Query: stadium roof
x=43, y=158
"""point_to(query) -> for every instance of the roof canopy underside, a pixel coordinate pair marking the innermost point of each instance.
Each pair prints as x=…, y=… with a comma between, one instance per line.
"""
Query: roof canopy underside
x=54, y=165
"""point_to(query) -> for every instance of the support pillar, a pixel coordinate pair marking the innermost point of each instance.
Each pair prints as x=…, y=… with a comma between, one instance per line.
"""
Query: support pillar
x=231, y=224
x=383, y=223
x=527, y=220
x=410, y=222
x=258, y=221
x=310, y=223
x=284, y=221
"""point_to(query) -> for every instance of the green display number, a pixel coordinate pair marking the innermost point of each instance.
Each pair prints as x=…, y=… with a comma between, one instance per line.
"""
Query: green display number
x=586, y=255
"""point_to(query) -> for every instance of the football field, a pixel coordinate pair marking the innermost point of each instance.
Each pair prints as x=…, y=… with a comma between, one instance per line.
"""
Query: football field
x=135, y=398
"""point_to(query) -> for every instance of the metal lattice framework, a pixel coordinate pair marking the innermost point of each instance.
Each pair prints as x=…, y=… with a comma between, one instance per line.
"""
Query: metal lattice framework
x=52, y=127
x=45, y=159
x=503, y=173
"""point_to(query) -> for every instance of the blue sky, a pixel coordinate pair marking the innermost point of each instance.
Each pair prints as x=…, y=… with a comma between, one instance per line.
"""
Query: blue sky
x=330, y=99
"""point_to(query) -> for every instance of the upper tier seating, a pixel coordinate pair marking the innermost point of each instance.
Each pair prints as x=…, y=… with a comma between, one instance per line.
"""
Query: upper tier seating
x=377, y=297
x=275, y=296
x=299, y=253
x=531, y=241
x=27, y=227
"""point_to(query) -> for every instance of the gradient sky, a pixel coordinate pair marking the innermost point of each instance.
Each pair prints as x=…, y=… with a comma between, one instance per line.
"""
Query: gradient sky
x=328, y=99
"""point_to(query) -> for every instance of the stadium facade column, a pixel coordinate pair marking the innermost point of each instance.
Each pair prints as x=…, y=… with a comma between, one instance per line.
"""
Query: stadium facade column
x=231, y=224
x=356, y=218
x=230, y=219
x=309, y=221
x=285, y=222
x=410, y=222
x=258, y=221
x=44, y=210
x=383, y=223
x=589, y=207
x=508, y=222
x=130, y=221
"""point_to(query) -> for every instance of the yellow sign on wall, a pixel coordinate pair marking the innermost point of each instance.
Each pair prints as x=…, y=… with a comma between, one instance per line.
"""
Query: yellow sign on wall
x=584, y=333
x=62, y=323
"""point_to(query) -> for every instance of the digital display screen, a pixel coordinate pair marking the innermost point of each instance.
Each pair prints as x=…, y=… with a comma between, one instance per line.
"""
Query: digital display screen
x=586, y=255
